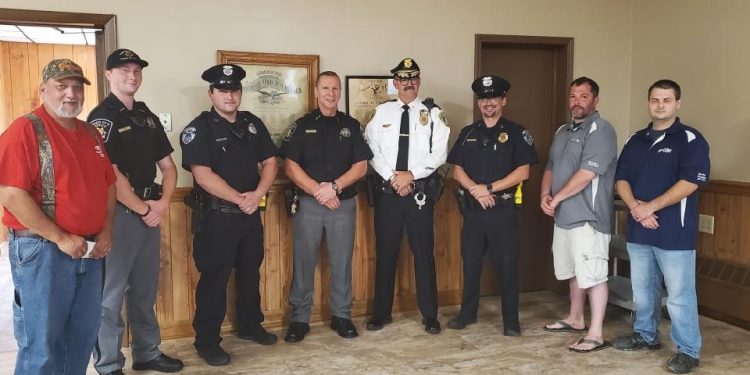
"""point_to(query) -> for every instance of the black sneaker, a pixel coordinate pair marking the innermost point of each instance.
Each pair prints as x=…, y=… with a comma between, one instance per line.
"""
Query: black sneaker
x=258, y=334
x=632, y=342
x=214, y=355
x=682, y=363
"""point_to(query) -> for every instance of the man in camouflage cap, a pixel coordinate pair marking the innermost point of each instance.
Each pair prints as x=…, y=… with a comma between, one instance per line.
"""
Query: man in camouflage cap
x=58, y=191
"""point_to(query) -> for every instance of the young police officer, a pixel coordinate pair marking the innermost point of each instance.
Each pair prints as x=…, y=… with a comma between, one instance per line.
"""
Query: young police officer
x=136, y=143
x=325, y=155
x=491, y=158
x=222, y=148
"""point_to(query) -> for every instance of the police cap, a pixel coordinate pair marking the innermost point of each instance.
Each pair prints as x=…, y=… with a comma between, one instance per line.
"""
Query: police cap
x=224, y=76
x=407, y=68
x=123, y=56
x=490, y=87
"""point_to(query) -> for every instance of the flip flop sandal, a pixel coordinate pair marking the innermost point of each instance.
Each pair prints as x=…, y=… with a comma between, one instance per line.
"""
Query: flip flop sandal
x=597, y=345
x=564, y=327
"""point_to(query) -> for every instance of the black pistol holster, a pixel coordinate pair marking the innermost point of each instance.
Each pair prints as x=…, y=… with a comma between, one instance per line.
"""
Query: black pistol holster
x=291, y=199
x=196, y=202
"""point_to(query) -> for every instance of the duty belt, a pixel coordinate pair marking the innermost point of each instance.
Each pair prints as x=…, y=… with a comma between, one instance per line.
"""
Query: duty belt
x=467, y=202
x=349, y=192
x=152, y=192
x=221, y=205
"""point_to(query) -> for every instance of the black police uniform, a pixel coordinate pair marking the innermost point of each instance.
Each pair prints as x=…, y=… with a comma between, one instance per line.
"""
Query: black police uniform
x=325, y=147
x=229, y=238
x=487, y=155
x=134, y=139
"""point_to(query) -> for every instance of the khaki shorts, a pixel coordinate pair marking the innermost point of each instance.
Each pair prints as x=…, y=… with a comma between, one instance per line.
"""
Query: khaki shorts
x=583, y=253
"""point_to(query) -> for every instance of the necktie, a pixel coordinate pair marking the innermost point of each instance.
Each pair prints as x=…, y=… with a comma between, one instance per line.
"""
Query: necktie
x=402, y=160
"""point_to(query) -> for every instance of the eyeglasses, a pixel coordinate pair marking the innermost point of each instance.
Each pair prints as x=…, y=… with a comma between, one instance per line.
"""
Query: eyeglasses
x=404, y=81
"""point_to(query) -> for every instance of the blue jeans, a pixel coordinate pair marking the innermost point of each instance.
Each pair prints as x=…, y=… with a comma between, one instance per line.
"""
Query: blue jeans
x=57, y=307
x=649, y=265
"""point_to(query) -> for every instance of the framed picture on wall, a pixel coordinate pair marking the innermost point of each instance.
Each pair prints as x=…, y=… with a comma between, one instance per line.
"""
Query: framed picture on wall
x=278, y=87
x=364, y=93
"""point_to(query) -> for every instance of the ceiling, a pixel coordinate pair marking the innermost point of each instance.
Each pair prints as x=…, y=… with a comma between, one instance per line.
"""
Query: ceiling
x=47, y=35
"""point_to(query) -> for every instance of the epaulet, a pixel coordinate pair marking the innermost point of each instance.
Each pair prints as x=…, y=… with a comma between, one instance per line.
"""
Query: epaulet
x=387, y=101
x=430, y=104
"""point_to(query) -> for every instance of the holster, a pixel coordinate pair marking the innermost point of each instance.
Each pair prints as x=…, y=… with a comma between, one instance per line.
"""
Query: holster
x=372, y=179
x=198, y=220
x=291, y=199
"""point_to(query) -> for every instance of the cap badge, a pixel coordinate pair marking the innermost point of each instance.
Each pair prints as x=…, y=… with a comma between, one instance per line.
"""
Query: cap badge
x=407, y=63
x=127, y=53
x=503, y=137
x=227, y=70
x=487, y=81
x=252, y=128
x=423, y=116
x=346, y=133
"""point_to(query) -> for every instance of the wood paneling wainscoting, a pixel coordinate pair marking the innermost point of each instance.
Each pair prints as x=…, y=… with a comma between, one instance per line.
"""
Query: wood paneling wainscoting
x=175, y=303
x=723, y=264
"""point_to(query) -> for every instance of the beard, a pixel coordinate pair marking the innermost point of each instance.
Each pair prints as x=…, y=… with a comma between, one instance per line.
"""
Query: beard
x=61, y=112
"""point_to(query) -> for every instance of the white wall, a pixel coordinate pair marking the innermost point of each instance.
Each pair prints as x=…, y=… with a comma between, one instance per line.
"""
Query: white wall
x=703, y=45
x=180, y=38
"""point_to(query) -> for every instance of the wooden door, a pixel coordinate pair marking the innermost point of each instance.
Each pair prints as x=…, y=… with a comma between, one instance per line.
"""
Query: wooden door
x=539, y=70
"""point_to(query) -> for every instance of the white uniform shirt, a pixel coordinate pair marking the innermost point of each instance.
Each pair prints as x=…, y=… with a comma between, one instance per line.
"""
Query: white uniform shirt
x=382, y=135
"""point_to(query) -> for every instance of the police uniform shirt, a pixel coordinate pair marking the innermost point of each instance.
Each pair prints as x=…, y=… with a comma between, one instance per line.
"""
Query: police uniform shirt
x=134, y=139
x=231, y=150
x=382, y=134
x=489, y=154
x=325, y=147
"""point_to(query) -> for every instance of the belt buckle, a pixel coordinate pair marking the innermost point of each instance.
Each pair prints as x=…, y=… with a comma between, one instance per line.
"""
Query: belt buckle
x=146, y=192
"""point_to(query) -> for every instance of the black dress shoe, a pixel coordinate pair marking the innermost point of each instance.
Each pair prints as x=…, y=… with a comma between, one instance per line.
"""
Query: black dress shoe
x=460, y=323
x=162, y=363
x=431, y=325
x=116, y=372
x=376, y=323
x=258, y=334
x=511, y=331
x=297, y=332
x=344, y=327
x=214, y=355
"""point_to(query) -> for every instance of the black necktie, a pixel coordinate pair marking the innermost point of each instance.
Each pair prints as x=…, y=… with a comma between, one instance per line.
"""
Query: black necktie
x=402, y=161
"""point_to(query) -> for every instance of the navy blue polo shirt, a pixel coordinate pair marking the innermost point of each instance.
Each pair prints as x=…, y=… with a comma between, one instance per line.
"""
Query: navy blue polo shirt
x=651, y=168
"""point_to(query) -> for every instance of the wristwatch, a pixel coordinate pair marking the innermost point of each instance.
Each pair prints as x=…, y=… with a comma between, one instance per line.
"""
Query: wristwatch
x=489, y=188
x=335, y=187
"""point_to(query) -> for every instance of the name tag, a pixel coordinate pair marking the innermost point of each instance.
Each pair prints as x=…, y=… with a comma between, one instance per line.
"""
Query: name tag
x=311, y=131
x=471, y=140
x=122, y=130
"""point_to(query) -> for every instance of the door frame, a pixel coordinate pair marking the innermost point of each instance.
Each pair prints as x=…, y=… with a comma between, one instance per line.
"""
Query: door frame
x=106, y=40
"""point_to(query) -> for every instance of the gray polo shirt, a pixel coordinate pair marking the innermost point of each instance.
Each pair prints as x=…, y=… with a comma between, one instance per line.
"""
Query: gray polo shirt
x=591, y=146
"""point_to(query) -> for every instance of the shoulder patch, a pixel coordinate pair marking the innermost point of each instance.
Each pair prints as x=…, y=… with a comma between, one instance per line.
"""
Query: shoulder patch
x=290, y=132
x=527, y=137
x=188, y=135
x=104, y=126
x=443, y=118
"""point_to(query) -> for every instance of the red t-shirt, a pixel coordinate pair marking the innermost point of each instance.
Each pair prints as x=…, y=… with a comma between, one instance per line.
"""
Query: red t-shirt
x=83, y=172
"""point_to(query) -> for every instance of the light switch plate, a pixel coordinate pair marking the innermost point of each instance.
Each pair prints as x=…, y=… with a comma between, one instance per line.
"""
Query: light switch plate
x=166, y=121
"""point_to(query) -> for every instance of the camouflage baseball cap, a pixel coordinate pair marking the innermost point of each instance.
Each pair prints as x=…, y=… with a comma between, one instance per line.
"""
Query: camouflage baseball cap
x=63, y=68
